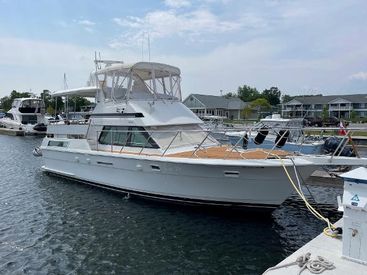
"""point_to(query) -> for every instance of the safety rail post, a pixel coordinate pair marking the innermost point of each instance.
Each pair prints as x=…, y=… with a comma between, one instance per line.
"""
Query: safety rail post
x=169, y=145
x=201, y=143
x=111, y=140
x=345, y=144
x=97, y=140
x=234, y=146
x=145, y=144
x=127, y=139
x=339, y=146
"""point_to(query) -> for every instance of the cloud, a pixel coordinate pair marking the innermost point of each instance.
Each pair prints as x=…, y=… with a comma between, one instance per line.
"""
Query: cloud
x=169, y=23
x=177, y=3
x=359, y=76
x=86, y=23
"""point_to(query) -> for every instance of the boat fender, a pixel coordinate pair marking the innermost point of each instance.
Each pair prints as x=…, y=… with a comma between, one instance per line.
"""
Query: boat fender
x=281, y=138
x=40, y=127
x=245, y=141
x=37, y=152
x=261, y=135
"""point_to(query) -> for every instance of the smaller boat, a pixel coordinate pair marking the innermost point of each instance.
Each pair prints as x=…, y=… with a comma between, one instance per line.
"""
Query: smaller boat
x=276, y=132
x=26, y=114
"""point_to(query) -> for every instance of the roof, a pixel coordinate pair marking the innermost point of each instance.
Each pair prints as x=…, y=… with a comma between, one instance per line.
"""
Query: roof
x=220, y=102
x=354, y=98
x=144, y=69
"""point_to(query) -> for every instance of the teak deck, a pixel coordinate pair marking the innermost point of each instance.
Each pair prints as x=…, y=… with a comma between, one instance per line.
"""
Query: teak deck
x=221, y=152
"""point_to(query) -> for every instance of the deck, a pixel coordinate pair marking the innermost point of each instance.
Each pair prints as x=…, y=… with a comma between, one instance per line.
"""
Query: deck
x=224, y=152
x=327, y=247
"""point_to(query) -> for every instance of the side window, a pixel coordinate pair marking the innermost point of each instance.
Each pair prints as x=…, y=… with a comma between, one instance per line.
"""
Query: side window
x=116, y=134
x=140, y=138
x=132, y=136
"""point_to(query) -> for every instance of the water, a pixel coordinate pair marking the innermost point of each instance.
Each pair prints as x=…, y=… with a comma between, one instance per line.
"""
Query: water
x=50, y=225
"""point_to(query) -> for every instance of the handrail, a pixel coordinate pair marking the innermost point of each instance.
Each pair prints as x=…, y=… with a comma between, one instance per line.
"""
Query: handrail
x=201, y=143
x=169, y=145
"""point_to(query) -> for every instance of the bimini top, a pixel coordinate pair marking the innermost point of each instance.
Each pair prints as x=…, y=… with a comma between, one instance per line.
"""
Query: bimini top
x=144, y=69
x=139, y=81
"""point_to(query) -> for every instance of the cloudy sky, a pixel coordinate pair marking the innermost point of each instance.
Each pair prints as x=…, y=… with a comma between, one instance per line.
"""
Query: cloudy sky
x=299, y=46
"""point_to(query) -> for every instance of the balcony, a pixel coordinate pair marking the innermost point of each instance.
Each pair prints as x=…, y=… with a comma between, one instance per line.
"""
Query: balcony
x=340, y=108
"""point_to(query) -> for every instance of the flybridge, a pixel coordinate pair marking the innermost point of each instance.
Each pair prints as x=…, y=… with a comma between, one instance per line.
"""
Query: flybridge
x=117, y=81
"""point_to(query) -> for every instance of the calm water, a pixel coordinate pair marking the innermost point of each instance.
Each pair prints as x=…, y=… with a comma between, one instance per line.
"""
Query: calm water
x=50, y=225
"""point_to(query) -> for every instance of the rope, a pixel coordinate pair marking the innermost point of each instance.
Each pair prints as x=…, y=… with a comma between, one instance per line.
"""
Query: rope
x=315, y=266
x=300, y=261
x=300, y=193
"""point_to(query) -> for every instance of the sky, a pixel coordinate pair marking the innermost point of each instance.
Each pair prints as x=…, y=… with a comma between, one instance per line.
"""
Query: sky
x=299, y=46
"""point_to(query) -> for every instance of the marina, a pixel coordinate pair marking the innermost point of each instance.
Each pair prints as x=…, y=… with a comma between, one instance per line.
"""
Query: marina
x=54, y=225
x=183, y=137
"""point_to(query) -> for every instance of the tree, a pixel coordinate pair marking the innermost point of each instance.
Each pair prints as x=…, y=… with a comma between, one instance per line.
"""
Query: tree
x=286, y=98
x=325, y=112
x=229, y=95
x=272, y=95
x=76, y=102
x=247, y=93
x=258, y=105
x=8, y=100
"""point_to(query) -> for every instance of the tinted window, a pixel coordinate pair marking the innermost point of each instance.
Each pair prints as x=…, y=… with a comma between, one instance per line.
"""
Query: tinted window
x=131, y=136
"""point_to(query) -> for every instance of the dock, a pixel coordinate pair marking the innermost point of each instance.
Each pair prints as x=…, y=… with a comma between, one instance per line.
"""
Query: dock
x=327, y=247
x=11, y=132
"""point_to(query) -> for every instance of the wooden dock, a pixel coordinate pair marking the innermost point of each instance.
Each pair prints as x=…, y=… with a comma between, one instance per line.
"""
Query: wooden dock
x=11, y=132
x=327, y=247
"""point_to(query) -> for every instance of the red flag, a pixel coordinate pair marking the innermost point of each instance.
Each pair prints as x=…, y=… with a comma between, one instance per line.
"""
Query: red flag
x=342, y=131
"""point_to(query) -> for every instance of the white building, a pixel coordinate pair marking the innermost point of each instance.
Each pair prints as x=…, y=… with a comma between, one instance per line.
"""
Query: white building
x=204, y=105
x=341, y=106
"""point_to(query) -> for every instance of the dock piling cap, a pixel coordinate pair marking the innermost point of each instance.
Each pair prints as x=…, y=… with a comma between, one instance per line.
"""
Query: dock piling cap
x=358, y=175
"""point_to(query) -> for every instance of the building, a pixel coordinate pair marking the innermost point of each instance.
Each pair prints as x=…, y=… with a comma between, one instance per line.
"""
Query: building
x=341, y=106
x=206, y=105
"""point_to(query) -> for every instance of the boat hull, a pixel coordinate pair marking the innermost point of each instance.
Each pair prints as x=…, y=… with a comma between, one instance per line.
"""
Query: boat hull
x=200, y=184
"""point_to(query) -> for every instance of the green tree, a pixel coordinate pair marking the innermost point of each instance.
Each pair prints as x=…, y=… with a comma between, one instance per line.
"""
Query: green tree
x=229, y=95
x=272, y=95
x=286, y=98
x=76, y=102
x=247, y=93
x=325, y=112
x=8, y=100
x=258, y=105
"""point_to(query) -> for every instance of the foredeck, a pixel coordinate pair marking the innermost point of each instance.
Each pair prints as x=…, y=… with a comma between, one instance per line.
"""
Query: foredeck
x=218, y=152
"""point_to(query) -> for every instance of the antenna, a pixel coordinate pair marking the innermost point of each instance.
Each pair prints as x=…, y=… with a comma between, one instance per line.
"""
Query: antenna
x=65, y=82
x=149, y=45
x=142, y=48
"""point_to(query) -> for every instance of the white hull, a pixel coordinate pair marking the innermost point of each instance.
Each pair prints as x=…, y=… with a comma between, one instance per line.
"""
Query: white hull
x=213, y=184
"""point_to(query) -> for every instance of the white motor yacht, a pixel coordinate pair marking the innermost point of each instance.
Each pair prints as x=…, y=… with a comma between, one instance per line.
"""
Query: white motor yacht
x=142, y=140
x=26, y=114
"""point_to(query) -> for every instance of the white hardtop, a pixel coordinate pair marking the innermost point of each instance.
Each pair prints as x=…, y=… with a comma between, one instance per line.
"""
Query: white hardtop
x=357, y=174
x=144, y=69
x=274, y=118
x=82, y=91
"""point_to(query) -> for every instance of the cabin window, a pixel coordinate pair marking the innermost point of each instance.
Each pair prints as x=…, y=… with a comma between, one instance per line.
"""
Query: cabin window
x=57, y=143
x=131, y=136
x=29, y=119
